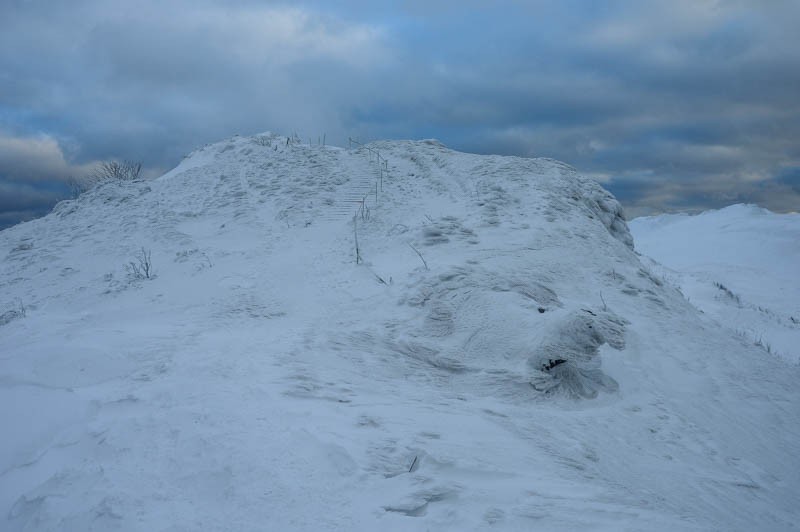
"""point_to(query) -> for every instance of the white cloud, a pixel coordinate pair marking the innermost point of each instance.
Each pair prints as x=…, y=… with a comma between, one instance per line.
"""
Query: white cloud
x=249, y=35
x=287, y=35
x=36, y=158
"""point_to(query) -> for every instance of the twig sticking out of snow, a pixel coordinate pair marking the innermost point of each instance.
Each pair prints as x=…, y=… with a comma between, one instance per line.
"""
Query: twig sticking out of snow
x=420, y=256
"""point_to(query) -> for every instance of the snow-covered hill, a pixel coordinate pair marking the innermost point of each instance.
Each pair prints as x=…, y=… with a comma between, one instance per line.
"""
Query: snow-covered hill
x=499, y=358
x=740, y=265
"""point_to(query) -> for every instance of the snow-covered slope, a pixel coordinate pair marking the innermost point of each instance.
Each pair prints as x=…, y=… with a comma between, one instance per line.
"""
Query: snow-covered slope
x=740, y=265
x=499, y=359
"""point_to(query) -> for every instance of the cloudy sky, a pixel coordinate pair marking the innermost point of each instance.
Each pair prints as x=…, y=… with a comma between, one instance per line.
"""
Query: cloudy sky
x=673, y=105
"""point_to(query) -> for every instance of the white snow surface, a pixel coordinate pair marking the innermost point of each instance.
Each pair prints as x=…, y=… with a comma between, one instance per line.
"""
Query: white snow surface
x=264, y=381
x=740, y=265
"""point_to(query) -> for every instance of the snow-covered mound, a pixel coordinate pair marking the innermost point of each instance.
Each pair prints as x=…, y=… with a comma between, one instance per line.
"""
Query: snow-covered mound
x=203, y=352
x=740, y=265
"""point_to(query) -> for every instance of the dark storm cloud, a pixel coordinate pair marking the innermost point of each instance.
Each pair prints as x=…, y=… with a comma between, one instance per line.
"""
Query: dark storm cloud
x=20, y=201
x=679, y=104
x=151, y=82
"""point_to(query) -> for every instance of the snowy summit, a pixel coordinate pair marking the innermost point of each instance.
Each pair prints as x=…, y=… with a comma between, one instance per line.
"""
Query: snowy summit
x=397, y=336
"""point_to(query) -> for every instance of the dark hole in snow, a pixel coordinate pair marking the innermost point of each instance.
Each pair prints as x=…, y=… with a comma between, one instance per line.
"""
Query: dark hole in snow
x=552, y=363
x=541, y=310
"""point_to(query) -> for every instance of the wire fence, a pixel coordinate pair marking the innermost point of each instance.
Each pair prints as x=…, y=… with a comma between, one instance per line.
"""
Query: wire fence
x=383, y=164
x=363, y=210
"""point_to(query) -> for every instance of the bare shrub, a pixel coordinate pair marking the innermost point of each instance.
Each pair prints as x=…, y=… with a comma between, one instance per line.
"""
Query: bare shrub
x=142, y=266
x=104, y=172
x=117, y=171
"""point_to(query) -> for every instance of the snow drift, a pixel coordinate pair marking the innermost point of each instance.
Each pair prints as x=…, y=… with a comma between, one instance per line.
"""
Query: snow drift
x=499, y=356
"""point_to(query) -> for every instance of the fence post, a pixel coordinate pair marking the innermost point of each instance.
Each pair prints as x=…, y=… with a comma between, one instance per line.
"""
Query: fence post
x=355, y=235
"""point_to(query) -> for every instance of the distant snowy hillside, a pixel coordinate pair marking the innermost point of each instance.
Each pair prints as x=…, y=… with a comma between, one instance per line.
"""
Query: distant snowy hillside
x=498, y=358
x=740, y=265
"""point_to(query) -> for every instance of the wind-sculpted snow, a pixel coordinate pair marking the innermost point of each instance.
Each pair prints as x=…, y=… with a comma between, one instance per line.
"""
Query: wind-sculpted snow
x=498, y=357
x=566, y=358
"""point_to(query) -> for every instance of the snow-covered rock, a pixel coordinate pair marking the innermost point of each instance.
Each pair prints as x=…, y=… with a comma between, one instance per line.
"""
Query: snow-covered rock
x=261, y=379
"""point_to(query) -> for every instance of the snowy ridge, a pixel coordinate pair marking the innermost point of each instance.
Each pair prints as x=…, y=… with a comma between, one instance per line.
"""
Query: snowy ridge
x=739, y=265
x=500, y=359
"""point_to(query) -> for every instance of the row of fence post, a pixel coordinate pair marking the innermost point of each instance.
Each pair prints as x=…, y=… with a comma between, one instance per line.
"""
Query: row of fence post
x=383, y=163
x=363, y=210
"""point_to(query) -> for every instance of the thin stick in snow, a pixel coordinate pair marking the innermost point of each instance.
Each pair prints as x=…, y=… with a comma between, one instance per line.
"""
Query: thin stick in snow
x=355, y=235
x=420, y=255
